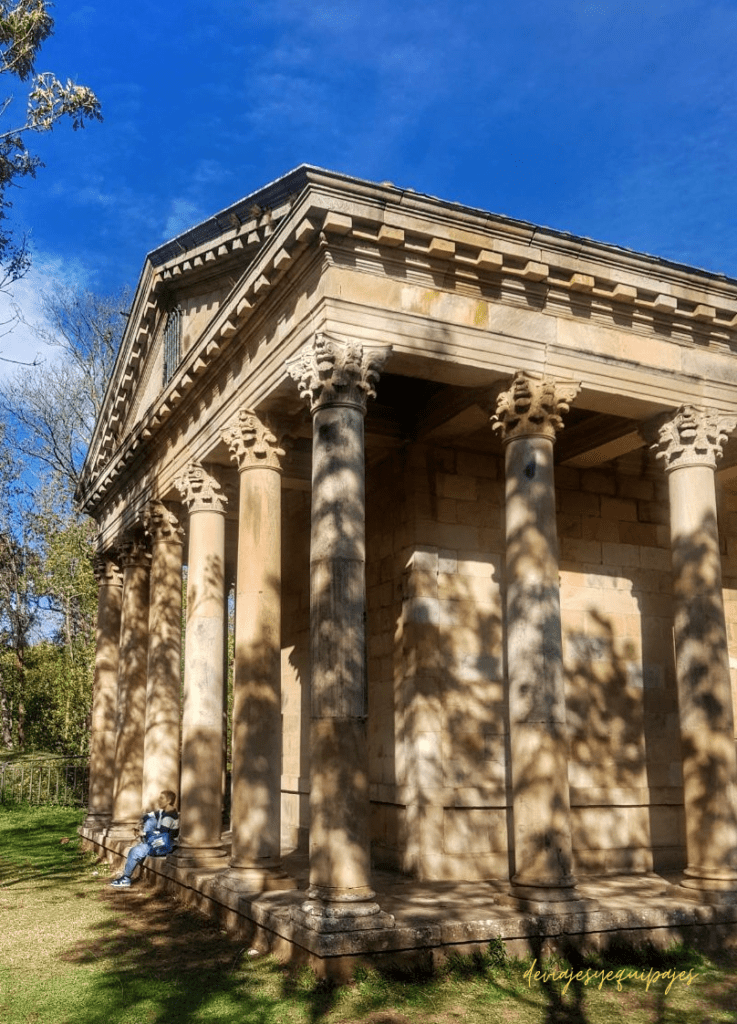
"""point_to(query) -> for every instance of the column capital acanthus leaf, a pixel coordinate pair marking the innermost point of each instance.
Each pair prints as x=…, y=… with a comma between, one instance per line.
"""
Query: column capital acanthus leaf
x=533, y=406
x=253, y=442
x=161, y=524
x=200, y=491
x=693, y=436
x=107, y=570
x=134, y=552
x=331, y=372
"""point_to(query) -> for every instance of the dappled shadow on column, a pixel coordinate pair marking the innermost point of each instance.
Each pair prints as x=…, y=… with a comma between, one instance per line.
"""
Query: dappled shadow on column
x=257, y=741
x=202, y=712
x=537, y=712
x=339, y=797
x=705, y=702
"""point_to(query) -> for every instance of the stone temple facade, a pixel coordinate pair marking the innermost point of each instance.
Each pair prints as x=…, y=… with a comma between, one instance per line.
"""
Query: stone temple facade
x=470, y=487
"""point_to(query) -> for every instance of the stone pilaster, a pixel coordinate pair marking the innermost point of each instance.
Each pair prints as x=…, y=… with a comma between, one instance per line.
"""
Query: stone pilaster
x=105, y=692
x=131, y=709
x=528, y=416
x=257, y=722
x=163, y=692
x=690, y=443
x=202, y=712
x=336, y=379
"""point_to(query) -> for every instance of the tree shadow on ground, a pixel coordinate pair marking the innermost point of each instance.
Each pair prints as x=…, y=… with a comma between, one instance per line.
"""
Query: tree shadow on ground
x=172, y=964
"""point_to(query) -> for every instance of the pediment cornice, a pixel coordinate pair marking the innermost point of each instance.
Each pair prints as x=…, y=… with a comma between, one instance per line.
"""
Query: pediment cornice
x=258, y=244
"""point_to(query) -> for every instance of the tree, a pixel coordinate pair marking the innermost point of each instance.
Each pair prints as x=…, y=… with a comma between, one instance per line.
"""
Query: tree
x=48, y=413
x=24, y=26
x=19, y=597
x=51, y=409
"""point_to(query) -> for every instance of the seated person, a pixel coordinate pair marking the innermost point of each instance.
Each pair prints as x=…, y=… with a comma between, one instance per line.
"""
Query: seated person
x=159, y=832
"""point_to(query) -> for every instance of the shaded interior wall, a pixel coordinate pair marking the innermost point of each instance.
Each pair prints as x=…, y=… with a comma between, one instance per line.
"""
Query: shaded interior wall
x=437, y=713
x=436, y=695
x=625, y=776
x=295, y=667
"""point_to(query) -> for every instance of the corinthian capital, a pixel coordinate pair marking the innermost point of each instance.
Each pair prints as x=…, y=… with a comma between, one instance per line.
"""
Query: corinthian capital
x=533, y=405
x=693, y=437
x=107, y=570
x=161, y=524
x=134, y=552
x=200, y=491
x=253, y=443
x=337, y=373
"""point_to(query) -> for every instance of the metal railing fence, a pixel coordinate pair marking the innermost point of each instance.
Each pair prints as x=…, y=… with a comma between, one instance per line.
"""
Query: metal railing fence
x=63, y=781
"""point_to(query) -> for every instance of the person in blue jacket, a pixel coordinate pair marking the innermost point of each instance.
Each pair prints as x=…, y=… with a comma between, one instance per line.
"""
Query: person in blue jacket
x=159, y=832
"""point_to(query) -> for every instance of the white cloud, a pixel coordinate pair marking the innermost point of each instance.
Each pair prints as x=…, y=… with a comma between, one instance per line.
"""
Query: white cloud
x=21, y=312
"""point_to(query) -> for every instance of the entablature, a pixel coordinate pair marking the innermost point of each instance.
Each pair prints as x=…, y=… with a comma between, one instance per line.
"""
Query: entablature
x=499, y=272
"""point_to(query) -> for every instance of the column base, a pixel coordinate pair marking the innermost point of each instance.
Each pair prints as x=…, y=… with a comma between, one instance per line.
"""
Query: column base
x=199, y=857
x=96, y=822
x=331, y=918
x=560, y=897
x=125, y=831
x=711, y=885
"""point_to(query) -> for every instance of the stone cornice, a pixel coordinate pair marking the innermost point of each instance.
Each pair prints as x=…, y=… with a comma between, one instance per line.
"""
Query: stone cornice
x=253, y=442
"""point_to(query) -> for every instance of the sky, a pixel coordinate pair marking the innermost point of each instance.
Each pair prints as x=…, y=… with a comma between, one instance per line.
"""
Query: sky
x=611, y=119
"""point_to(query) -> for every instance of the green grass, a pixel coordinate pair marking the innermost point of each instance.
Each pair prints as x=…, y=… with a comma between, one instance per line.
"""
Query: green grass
x=75, y=951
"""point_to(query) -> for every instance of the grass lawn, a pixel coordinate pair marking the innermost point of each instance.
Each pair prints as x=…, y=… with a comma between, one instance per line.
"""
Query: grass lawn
x=75, y=951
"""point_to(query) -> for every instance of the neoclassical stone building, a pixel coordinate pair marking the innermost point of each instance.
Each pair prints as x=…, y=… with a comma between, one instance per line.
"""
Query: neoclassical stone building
x=471, y=487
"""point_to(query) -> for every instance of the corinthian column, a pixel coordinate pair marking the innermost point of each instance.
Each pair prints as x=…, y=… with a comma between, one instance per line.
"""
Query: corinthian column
x=131, y=689
x=105, y=692
x=337, y=379
x=690, y=444
x=257, y=724
x=163, y=691
x=528, y=417
x=202, y=713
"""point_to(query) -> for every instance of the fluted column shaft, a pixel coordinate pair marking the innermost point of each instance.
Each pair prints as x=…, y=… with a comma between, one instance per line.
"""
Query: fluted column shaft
x=257, y=722
x=202, y=711
x=105, y=693
x=528, y=417
x=164, y=686
x=690, y=444
x=131, y=714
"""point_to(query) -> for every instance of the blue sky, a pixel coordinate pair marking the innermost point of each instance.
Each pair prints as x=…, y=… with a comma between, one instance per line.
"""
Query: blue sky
x=612, y=120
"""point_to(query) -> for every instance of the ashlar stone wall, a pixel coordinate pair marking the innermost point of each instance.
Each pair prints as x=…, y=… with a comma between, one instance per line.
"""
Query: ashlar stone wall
x=438, y=721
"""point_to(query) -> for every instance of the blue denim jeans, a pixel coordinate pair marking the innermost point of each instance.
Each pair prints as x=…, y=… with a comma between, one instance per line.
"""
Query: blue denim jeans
x=136, y=854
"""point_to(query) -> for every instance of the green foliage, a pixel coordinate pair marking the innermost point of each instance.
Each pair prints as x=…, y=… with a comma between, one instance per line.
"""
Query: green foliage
x=57, y=699
x=24, y=27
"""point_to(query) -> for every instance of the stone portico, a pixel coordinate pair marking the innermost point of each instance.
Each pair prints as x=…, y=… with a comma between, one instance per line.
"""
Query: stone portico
x=469, y=488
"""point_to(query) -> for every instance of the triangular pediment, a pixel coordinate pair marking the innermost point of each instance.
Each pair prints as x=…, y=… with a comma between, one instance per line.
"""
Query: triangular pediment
x=193, y=275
